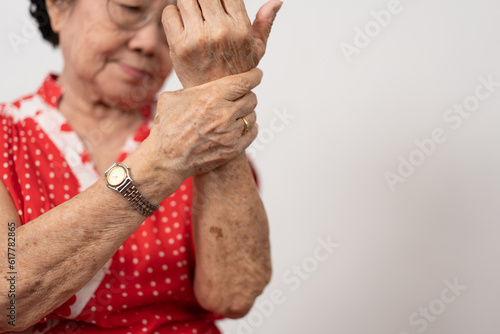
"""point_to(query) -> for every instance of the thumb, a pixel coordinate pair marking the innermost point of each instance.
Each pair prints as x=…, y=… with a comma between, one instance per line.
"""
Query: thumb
x=236, y=86
x=263, y=24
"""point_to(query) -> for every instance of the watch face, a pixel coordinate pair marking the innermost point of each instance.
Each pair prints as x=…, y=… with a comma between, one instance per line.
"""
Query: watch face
x=116, y=176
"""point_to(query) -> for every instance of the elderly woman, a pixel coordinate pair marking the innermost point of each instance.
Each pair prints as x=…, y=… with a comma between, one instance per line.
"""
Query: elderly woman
x=123, y=213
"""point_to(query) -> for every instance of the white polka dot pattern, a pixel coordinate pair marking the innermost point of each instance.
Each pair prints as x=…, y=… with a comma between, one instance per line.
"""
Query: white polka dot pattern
x=147, y=286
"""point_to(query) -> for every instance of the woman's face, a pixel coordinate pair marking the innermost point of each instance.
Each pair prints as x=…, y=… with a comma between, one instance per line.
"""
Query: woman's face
x=107, y=63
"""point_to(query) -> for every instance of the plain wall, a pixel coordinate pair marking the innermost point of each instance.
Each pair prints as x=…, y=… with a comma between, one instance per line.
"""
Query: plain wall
x=331, y=131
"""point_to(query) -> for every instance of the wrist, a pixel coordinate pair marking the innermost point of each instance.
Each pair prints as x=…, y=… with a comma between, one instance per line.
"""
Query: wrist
x=154, y=183
x=238, y=168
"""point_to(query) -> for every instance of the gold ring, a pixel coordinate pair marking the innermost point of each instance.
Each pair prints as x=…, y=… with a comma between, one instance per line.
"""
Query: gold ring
x=247, y=126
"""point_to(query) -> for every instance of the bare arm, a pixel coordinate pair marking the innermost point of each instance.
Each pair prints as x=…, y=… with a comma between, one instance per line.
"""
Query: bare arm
x=232, y=239
x=231, y=231
x=60, y=251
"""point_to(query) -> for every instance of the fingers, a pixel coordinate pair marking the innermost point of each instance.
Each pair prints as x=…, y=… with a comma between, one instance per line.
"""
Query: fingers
x=239, y=124
x=236, y=86
x=251, y=119
x=236, y=9
x=248, y=138
x=172, y=23
x=190, y=12
x=212, y=9
x=264, y=22
x=245, y=105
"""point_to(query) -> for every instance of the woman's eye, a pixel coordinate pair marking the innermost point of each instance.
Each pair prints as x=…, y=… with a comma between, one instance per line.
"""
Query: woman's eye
x=132, y=8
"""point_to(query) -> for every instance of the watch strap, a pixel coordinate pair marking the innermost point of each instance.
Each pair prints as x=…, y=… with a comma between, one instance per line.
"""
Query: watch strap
x=133, y=195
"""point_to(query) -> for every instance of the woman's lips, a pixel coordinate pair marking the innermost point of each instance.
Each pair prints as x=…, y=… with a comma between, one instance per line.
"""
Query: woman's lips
x=134, y=72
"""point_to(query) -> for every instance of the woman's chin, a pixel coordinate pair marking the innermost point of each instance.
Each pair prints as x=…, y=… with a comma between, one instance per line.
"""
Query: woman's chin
x=128, y=100
x=127, y=95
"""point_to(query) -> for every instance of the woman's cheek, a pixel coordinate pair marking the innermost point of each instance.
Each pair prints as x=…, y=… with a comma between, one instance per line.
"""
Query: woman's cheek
x=87, y=61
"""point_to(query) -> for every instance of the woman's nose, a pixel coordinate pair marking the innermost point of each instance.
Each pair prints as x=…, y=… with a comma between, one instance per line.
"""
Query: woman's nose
x=148, y=39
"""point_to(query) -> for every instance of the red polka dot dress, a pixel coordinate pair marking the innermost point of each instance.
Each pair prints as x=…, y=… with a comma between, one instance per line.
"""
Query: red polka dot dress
x=146, y=287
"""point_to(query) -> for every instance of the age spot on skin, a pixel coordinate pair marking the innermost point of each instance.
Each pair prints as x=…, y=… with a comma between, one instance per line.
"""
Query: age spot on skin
x=216, y=231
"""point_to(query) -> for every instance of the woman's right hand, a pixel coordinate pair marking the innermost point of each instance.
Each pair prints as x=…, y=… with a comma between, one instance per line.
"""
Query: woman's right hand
x=198, y=129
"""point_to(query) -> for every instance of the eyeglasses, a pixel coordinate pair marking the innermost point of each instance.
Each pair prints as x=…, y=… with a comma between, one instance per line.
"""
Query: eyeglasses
x=130, y=14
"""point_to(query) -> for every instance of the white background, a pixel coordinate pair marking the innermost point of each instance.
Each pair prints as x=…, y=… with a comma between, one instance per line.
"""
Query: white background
x=322, y=172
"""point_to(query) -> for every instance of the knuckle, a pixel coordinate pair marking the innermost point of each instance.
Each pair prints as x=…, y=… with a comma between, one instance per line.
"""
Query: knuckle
x=221, y=34
x=164, y=96
x=163, y=99
x=217, y=123
x=255, y=130
x=208, y=104
x=253, y=117
x=241, y=84
x=253, y=100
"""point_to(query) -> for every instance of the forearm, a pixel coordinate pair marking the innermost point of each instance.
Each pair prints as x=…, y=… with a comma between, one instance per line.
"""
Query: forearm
x=231, y=239
x=231, y=236
x=60, y=251
x=231, y=232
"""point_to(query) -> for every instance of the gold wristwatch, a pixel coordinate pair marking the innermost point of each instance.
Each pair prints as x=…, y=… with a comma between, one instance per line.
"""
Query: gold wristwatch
x=118, y=178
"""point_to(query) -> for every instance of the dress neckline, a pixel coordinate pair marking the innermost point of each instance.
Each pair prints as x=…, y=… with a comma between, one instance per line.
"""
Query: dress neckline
x=72, y=145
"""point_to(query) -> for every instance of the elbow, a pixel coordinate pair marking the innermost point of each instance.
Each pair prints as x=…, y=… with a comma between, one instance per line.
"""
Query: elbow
x=233, y=307
x=238, y=308
x=235, y=298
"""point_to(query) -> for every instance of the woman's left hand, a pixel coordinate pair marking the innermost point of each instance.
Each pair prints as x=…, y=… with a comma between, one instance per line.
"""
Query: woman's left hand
x=211, y=39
